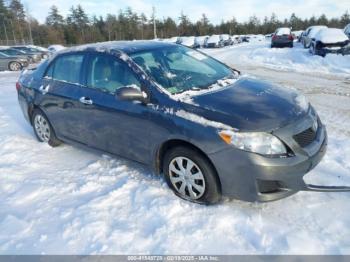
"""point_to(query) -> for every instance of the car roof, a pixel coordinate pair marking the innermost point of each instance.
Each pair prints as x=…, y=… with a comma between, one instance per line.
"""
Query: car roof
x=127, y=47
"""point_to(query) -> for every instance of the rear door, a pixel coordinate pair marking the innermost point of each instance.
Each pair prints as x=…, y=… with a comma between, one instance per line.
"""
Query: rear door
x=61, y=90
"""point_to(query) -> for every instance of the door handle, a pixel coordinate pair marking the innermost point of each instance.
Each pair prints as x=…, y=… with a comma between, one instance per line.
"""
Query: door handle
x=86, y=100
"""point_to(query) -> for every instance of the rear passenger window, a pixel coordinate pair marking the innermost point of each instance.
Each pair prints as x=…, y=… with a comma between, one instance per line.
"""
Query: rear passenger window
x=67, y=68
x=107, y=73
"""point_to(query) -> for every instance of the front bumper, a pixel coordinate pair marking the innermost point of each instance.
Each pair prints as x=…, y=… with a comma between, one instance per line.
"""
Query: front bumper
x=252, y=177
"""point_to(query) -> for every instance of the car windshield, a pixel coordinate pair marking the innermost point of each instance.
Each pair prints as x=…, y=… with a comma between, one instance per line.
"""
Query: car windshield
x=178, y=69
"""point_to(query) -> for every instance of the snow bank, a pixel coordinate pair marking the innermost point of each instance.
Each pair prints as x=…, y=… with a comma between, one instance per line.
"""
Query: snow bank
x=295, y=59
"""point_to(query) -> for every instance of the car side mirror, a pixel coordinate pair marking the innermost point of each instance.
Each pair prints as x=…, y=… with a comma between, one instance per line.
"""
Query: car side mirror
x=131, y=94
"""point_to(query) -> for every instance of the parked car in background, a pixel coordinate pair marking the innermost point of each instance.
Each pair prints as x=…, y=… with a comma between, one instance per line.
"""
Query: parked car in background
x=297, y=35
x=245, y=38
x=282, y=38
x=34, y=53
x=347, y=30
x=328, y=40
x=55, y=48
x=226, y=39
x=310, y=33
x=12, y=63
x=236, y=39
x=214, y=41
x=44, y=51
x=13, y=52
x=268, y=36
x=189, y=41
x=202, y=40
x=132, y=99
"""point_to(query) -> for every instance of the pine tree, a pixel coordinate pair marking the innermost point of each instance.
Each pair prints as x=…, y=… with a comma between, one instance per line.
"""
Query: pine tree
x=17, y=19
x=54, y=18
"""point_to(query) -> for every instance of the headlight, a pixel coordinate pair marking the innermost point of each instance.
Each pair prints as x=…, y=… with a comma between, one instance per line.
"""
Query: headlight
x=256, y=142
x=302, y=102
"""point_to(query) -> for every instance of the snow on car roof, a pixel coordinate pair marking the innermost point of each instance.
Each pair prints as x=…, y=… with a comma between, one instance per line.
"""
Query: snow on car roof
x=127, y=47
x=283, y=31
x=330, y=35
x=314, y=30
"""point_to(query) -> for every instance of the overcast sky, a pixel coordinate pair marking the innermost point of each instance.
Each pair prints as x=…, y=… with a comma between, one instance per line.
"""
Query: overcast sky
x=216, y=10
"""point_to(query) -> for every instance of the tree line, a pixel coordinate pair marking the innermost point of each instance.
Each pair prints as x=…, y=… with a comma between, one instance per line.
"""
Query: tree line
x=16, y=25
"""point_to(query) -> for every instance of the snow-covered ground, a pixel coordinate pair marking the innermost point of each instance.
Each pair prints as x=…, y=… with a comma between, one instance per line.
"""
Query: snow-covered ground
x=295, y=59
x=69, y=200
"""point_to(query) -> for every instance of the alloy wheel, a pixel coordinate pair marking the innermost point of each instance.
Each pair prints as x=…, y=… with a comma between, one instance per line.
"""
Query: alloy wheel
x=14, y=66
x=42, y=128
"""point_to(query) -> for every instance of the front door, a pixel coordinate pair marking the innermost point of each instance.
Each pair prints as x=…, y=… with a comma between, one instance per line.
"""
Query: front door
x=113, y=125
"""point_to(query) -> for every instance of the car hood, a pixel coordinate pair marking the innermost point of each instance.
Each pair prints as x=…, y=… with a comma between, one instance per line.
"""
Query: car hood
x=249, y=105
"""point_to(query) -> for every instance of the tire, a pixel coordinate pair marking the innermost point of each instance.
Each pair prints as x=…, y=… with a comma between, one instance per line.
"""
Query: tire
x=207, y=186
x=14, y=66
x=43, y=129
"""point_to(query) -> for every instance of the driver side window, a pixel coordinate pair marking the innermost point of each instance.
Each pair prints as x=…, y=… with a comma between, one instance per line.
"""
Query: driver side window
x=107, y=73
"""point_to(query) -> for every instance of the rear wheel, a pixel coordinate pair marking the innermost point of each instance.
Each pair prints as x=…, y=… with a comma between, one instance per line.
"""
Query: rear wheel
x=43, y=129
x=189, y=174
x=14, y=66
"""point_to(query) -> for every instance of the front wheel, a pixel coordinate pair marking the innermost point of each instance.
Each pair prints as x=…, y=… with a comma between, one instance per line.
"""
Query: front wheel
x=312, y=49
x=191, y=177
x=15, y=66
x=43, y=129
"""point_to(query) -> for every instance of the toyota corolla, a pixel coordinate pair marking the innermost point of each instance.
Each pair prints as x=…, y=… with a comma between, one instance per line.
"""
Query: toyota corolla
x=210, y=131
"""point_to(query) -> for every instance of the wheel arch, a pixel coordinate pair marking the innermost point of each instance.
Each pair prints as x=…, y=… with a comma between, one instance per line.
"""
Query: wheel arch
x=172, y=143
x=31, y=108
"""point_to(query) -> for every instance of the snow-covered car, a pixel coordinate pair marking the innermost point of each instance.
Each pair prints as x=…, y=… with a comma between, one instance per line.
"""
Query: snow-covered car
x=214, y=41
x=297, y=35
x=347, y=30
x=189, y=41
x=310, y=33
x=245, y=38
x=282, y=38
x=226, y=39
x=236, y=39
x=55, y=48
x=202, y=40
x=328, y=40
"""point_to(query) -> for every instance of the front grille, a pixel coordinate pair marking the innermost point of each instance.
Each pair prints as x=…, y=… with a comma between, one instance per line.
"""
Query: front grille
x=306, y=137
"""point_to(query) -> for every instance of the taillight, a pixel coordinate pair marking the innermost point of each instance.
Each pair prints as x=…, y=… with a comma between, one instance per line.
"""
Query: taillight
x=274, y=37
x=18, y=86
x=290, y=37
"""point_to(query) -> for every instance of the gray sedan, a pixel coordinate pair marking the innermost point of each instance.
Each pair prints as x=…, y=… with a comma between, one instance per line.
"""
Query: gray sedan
x=12, y=63
x=17, y=53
